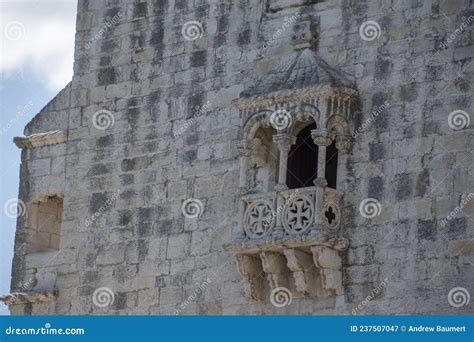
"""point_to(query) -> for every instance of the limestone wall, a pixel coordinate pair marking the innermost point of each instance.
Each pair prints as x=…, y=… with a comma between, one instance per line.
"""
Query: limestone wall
x=171, y=135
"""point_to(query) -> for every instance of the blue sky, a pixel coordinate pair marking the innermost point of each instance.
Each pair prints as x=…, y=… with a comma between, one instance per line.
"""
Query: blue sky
x=36, y=58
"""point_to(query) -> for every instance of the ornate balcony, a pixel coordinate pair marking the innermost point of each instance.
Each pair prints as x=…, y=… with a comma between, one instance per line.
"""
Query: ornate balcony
x=292, y=237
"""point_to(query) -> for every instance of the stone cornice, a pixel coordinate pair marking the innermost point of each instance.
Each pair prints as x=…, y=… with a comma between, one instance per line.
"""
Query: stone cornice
x=29, y=297
x=278, y=244
x=40, y=139
x=296, y=95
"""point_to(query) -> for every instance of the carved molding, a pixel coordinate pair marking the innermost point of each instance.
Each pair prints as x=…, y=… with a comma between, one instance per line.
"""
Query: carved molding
x=294, y=96
x=40, y=139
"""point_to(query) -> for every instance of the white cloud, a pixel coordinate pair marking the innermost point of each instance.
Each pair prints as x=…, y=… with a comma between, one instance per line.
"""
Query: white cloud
x=38, y=37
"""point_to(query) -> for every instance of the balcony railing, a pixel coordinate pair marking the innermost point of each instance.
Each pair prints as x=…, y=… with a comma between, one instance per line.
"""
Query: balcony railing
x=291, y=213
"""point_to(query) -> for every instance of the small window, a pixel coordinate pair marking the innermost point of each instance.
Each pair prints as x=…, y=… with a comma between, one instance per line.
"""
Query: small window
x=45, y=217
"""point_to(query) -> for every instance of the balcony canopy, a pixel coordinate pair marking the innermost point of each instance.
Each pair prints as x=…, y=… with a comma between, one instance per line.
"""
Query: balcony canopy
x=299, y=70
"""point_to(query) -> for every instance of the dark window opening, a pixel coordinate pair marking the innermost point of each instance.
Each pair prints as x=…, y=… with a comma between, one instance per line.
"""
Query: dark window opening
x=331, y=165
x=302, y=160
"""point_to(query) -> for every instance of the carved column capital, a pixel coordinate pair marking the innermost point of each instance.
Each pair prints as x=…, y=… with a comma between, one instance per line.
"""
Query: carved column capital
x=322, y=137
x=284, y=141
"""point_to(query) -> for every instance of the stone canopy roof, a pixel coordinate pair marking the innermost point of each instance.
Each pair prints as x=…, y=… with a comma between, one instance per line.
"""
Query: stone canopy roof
x=301, y=69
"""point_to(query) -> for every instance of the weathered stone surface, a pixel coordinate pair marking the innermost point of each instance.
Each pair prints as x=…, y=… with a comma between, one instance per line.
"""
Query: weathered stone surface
x=169, y=131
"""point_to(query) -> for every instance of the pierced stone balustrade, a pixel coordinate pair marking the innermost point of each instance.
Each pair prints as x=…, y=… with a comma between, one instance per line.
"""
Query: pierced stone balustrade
x=291, y=213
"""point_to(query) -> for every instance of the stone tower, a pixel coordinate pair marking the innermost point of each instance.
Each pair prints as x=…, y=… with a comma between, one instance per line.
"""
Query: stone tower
x=254, y=157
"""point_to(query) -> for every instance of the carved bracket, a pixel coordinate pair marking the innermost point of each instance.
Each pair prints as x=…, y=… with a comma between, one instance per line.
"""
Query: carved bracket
x=29, y=297
x=41, y=139
x=314, y=272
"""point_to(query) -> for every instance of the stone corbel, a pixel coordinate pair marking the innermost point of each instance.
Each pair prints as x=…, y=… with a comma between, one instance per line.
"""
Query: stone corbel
x=274, y=265
x=250, y=268
x=330, y=264
x=40, y=139
x=29, y=297
x=307, y=279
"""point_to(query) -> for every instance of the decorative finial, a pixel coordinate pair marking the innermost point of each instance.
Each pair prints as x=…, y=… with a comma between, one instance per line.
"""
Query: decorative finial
x=305, y=32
